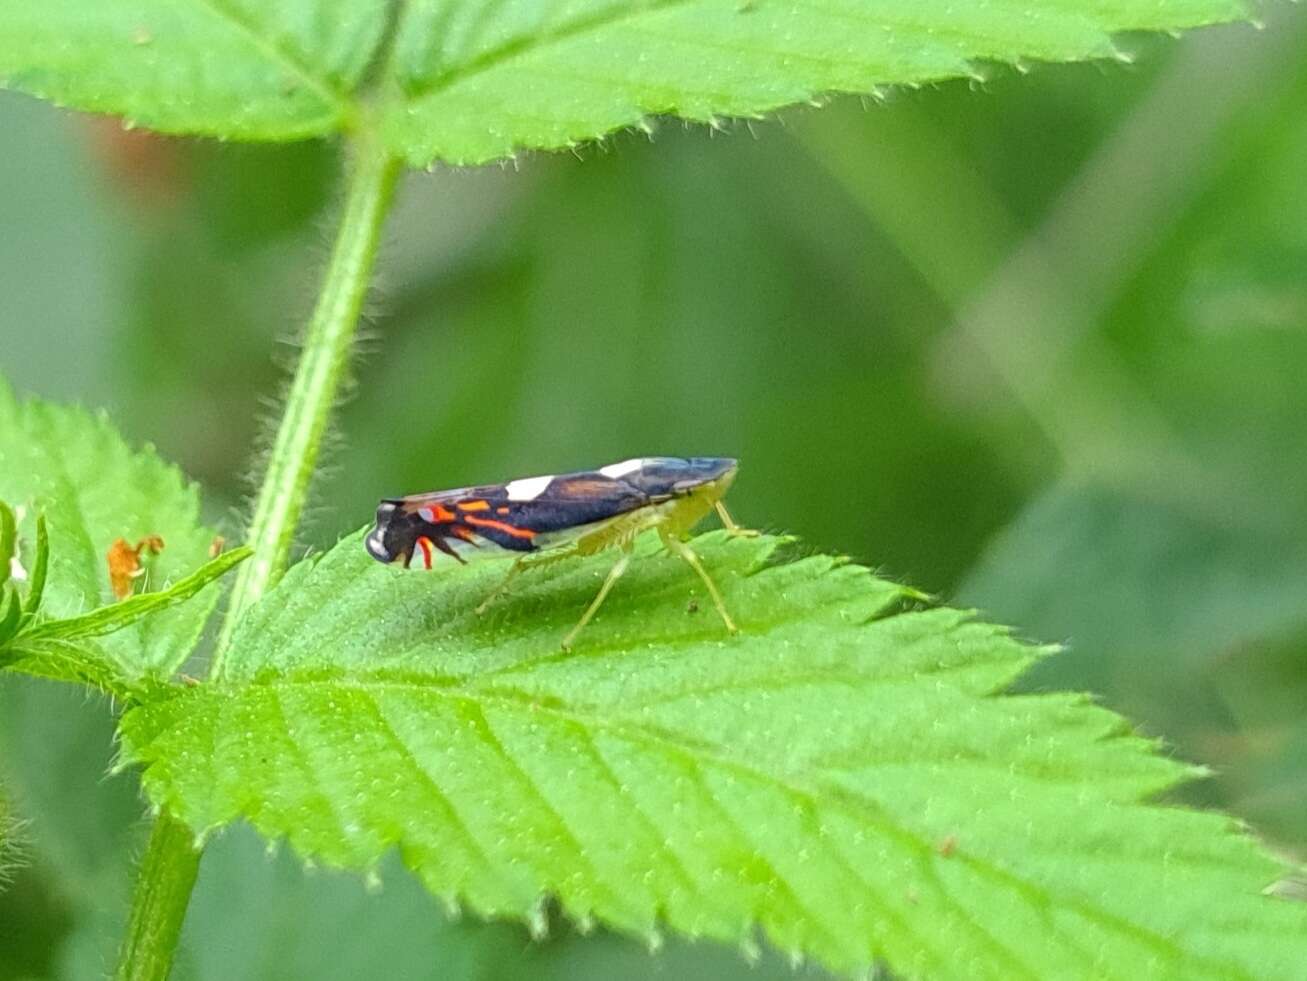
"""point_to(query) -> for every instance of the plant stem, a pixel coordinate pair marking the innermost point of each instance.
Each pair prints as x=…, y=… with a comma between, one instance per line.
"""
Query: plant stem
x=322, y=364
x=168, y=870
x=163, y=890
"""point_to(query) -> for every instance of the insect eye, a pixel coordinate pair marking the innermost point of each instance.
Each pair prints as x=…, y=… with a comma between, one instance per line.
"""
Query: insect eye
x=376, y=545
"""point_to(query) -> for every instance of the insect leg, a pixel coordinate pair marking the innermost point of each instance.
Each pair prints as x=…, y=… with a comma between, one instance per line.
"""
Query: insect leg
x=734, y=530
x=614, y=574
x=687, y=553
x=499, y=590
x=523, y=563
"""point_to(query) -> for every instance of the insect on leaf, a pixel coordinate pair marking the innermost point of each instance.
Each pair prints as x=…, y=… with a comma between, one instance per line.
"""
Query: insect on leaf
x=844, y=775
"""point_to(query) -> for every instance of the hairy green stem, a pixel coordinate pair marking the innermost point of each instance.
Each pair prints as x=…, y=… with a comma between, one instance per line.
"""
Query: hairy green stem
x=168, y=870
x=163, y=890
x=321, y=366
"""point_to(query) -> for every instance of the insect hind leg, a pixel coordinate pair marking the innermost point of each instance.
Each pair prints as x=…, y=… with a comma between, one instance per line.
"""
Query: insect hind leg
x=685, y=552
x=732, y=529
x=614, y=574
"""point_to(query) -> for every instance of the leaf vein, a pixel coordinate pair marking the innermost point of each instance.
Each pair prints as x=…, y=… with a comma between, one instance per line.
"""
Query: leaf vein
x=518, y=47
x=532, y=787
x=446, y=806
x=858, y=806
x=280, y=54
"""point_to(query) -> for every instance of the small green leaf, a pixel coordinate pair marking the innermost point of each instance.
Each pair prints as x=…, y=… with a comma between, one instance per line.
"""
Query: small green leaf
x=40, y=568
x=843, y=774
x=8, y=541
x=279, y=70
x=81, y=662
x=11, y=613
x=115, y=616
x=76, y=472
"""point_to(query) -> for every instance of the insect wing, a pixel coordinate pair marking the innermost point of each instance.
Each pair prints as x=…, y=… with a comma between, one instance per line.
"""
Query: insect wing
x=512, y=515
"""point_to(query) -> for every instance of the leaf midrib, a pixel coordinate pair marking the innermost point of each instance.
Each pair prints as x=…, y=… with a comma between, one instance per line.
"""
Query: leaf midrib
x=854, y=806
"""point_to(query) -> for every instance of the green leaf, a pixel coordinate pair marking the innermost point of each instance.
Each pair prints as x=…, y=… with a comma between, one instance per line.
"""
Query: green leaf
x=1201, y=612
x=92, y=489
x=842, y=774
x=546, y=76
x=60, y=649
x=36, y=576
x=15, y=611
x=255, y=915
x=8, y=542
x=11, y=614
x=83, y=663
x=234, y=68
x=115, y=616
x=466, y=81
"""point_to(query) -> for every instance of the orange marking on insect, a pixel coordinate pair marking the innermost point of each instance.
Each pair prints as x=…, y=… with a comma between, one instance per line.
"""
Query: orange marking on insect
x=507, y=529
x=502, y=510
x=464, y=533
x=474, y=506
x=436, y=514
x=425, y=544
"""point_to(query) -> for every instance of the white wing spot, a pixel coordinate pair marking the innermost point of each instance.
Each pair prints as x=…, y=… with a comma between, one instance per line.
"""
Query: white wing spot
x=615, y=470
x=528, y=488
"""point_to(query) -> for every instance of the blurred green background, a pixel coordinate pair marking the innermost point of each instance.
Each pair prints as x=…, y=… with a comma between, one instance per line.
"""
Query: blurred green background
x=1036, y=343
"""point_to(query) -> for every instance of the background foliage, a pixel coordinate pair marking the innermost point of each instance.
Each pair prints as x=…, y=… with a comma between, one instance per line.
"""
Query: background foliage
x=1036, y=347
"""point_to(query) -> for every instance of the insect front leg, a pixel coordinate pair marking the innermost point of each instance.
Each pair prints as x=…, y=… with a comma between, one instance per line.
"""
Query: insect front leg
x=499, y=590
x=732, y=529
x=614, y=574
x=524, y=562
x=688, y=554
